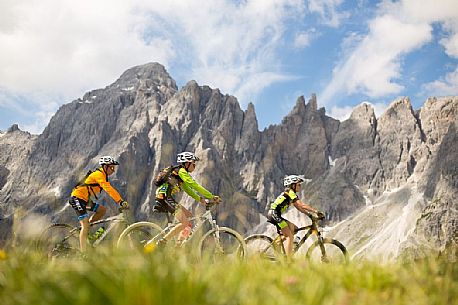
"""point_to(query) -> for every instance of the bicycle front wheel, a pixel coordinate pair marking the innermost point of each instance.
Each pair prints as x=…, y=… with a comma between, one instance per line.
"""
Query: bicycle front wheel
x=261, y=245
x=329, y=251
x=222, y=242
x=138, y=235
x=59, y=240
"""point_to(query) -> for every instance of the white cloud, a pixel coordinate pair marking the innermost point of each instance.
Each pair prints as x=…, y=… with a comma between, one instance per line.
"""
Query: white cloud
x=51, y=46
x=344, y=112
x=64, y=48
x=373, y=65
x=303, y=39
x=328, y=11
x=58, y=50
x=450, y=43
x=231, y=46
x=340, y=113
x=448, y=85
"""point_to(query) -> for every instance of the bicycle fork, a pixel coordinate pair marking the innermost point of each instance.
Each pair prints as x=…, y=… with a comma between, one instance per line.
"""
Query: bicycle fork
x=215, y=227
x=324, y=257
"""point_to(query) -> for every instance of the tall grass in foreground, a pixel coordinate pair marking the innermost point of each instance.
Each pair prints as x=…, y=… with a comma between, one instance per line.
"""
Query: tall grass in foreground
x=175, y=277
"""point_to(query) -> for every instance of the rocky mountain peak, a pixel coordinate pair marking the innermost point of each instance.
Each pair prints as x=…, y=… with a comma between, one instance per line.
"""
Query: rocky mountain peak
x=150, y=71
x=399, y=107
x=250, y=113
x=312, y=104
x=363, y=112
x=299, y=108
x=13, y=128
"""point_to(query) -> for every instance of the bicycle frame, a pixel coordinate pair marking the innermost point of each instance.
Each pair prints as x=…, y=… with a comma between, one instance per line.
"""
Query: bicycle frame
x=312, y=229
x=113, y=222
x=200, y=220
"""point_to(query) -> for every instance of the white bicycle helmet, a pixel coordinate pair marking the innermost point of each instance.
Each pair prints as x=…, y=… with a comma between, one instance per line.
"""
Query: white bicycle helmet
x=108, y=160
x=288, y=180
x=186, y=157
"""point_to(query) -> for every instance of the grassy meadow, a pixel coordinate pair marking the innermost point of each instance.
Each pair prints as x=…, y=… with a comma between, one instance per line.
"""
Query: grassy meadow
x=176, y=277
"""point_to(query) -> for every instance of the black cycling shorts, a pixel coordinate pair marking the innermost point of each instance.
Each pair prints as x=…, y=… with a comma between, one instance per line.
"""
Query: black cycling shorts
x=166, y=205
x=81, y=207
x=275, y=218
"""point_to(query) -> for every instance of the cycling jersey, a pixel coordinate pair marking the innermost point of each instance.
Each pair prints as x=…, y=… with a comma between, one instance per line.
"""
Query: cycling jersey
x=282, y=203
x=182, y=180
x=279, y=206
x=93, y=185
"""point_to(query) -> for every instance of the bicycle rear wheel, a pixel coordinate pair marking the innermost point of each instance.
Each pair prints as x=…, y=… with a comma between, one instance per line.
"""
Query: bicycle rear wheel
x=59, y=240
x=222, y=242
x=137, y=235
x=262, y=246
x=330, y=251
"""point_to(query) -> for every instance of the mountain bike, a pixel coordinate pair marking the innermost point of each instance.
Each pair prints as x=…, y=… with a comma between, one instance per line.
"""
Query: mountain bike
x=62, y=240
x=326, y=250
x=217, y=241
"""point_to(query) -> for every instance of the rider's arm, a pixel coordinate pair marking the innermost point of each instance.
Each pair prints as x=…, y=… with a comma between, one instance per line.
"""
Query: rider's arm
x=99, y=177
x=189, y=186
x=190, y=192
x=303, y=207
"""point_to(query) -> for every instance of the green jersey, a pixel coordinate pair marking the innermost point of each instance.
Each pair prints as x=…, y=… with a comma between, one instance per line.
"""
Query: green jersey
x=185, y=182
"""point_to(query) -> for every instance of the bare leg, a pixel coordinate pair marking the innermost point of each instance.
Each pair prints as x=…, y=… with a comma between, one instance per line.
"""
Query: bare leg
x=182, y=215
x=83, y=233
x=288, y=234
x=98, y=215
x=187, y=229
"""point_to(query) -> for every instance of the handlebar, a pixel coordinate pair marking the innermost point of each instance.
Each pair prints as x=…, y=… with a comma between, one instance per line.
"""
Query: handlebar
x=121, y=209
x=314, y=217
x=209, y=203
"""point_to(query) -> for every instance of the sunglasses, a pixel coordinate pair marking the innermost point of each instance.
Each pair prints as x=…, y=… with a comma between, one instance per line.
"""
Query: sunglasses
x=112, y=167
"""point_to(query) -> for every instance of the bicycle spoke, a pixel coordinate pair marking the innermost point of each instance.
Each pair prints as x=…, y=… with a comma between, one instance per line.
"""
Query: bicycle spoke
x=59, y=240
x=222, y=243
x=330, y=251
x=260, y=245
x=139, y=235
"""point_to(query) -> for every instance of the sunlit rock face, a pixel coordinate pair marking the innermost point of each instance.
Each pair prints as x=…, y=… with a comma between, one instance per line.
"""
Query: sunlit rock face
x=387, y=181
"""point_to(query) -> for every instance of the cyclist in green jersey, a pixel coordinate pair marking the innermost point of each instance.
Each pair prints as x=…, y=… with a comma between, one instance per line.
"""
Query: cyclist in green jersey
x=180, y=179
x=289, y=197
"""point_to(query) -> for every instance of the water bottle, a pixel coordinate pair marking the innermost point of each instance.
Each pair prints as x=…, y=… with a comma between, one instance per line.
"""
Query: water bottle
x=97, y=234
x=186, y=232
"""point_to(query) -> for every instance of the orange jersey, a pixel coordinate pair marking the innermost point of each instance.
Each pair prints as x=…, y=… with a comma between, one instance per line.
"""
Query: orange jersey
x=97, y=177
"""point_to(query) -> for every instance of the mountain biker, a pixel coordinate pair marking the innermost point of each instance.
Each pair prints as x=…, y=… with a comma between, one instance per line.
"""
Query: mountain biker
x=180, y=179
x=289, y=197
x=82, y=196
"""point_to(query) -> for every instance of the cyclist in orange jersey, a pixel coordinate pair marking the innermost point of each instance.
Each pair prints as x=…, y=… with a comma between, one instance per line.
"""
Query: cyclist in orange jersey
x=85, y=192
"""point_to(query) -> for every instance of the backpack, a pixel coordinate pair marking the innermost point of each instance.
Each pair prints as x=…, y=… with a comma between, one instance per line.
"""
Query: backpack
x=164, y=175
x=81, y=182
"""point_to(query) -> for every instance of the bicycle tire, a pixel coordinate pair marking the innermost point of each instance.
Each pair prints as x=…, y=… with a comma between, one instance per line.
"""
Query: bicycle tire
x=262, y=246
x=59, y=240
x=137, y=235
x=229, y=244
x=335, y=252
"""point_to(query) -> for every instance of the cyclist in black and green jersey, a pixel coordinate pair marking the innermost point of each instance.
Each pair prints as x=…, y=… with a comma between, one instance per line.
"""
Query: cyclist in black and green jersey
x=180, y=179
x=289, y=197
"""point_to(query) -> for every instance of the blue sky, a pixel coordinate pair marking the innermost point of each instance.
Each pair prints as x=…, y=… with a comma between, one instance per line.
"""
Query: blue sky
x=267, y=52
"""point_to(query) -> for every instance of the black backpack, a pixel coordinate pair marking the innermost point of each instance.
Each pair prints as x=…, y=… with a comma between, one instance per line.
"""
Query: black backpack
x=164, y=175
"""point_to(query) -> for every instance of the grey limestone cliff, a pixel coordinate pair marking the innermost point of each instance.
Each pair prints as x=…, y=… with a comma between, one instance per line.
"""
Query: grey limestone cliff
x=364, y=170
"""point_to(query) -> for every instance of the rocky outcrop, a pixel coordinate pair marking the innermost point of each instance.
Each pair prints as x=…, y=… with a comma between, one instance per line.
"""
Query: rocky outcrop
x=439, y=220
x=362, y=166
x=15, y=146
